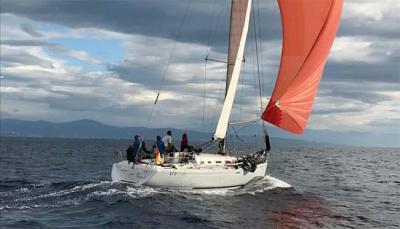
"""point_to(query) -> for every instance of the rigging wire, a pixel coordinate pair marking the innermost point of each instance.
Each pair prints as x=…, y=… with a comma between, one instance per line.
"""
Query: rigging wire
x=257, y=73
x=254, y=75
x=257, y=62
x=257, y=57
x=223, y=13
x=204, y=93
x=208, y=144
x=210, y=28
x=260, y=84
x=261, y=51
x=205, y=63
x=177, y=37
x=241, y=79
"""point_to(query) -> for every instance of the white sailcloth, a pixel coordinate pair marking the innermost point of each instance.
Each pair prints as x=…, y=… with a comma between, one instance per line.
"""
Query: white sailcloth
x=222, y=126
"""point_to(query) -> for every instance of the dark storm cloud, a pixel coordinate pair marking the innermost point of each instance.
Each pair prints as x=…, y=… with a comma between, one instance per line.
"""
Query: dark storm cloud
x=360, y=72
x=147, y=76
x=161, y=18
x=146, y=17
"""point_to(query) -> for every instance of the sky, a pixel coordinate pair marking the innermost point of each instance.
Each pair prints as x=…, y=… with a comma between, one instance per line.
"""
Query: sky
x=65, y=60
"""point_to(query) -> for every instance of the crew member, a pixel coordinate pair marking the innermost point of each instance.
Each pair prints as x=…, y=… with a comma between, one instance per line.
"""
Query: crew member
x=185, y=143
x=136, y=148
x=167, y=139
x=129, y=153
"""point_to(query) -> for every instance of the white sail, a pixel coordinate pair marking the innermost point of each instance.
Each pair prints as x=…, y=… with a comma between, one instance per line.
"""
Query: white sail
x=233, y=79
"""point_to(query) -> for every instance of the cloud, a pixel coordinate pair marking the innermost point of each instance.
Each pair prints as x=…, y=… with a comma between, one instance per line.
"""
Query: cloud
x=24, y=42
x=77, y=54
x=15, y=56
x=28, y=28
x=365, y=49
x=370, y=18
x=144, y=17
x=363, y=121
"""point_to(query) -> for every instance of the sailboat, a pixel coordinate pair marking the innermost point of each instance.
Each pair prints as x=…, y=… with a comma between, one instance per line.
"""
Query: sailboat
x=309, y=29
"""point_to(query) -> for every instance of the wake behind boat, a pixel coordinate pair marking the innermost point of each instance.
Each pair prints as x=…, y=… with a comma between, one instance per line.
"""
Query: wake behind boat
x=309, y=28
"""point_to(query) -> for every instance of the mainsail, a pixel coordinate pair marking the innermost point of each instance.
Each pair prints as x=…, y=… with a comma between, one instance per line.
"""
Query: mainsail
x=240, y=16
x=309, y=28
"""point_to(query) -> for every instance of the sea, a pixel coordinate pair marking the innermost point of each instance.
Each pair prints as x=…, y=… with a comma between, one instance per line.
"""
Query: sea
x=66, y=183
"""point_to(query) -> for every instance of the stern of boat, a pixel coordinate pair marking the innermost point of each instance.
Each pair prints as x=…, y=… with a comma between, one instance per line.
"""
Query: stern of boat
x=116, y=172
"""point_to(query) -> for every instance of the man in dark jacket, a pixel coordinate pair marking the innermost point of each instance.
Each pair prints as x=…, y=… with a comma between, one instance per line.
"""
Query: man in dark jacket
x=129, y=153
x=136, y=148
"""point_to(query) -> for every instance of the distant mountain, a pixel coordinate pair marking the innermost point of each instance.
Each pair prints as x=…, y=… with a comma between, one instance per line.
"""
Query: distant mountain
x=87, y=128
x=353, y=138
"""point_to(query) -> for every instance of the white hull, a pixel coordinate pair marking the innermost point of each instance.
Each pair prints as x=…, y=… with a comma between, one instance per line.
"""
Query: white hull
x=185, y=176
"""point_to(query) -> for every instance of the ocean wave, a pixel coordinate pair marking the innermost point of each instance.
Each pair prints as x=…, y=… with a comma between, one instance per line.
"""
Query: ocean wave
x=84, y=190
x=76, y=193
x=79, y=192
x=258, y=186
x=13, y=207
x=13, y=183
x=28, y=205
x=275, y=183
x=13, y=192
x=74, y=189
x=138, y=191
x=108, y=192
x=92, y=185
x=265, y=184
x=141, y=191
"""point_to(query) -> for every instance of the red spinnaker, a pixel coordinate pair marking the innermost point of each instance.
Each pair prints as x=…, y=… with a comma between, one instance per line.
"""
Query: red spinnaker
x=309, y=28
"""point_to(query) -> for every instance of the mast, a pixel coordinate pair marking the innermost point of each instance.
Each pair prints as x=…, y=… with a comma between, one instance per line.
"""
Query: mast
x=239, y=25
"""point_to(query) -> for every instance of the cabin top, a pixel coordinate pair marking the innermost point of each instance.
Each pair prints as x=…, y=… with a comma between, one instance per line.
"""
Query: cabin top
x=214, y=159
